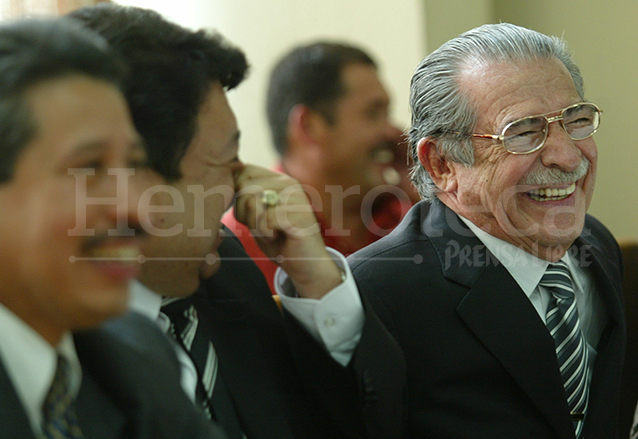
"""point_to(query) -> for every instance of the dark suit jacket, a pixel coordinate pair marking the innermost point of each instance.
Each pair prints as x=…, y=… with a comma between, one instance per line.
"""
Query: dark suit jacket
x=128, y=390
x=481, y=363
x=283, y=384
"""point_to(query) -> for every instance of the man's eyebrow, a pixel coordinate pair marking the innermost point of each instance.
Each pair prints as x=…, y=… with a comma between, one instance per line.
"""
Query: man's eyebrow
x=93, y=146
x=90, y=146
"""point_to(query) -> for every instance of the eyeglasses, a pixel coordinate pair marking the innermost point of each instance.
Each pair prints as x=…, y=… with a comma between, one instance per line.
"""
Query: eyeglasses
x=527, y=135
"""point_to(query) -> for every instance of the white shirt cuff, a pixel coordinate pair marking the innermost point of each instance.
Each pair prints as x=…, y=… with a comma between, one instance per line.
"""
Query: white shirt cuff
x=336, y=320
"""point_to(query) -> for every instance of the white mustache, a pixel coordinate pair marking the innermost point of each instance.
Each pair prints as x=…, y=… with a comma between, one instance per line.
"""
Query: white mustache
x=553, y=176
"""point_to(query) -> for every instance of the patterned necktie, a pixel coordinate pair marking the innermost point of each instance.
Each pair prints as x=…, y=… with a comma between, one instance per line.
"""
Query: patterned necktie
x=59, y=420
x=571, y=347
x=212, y=394
x=184, y=325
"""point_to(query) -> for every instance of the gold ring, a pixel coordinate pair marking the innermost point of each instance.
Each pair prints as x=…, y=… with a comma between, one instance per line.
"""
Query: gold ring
x=269, y=198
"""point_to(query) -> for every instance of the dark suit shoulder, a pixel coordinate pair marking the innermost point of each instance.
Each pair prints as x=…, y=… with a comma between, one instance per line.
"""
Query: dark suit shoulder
x=143, y=336
x=603, y=237
x=140, y=378
x=397, y=244
x=389, y=267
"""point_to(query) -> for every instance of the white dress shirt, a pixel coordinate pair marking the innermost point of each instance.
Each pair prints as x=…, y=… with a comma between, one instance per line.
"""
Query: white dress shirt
x=336, y=320
x=30, y=362
x=527, y=270
x=148, y=303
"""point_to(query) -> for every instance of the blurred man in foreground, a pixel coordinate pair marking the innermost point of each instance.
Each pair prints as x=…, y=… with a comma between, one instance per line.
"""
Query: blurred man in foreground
x=67, y=249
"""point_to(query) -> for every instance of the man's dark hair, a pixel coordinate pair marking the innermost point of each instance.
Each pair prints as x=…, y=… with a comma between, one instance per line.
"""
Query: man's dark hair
x=37, y=50
x=172, y=69
x=309, y=75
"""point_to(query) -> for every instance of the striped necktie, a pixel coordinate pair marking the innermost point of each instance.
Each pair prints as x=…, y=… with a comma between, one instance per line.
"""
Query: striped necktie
x=184, y=325
x=59, y=420
x=212, y=394
x=571, y=347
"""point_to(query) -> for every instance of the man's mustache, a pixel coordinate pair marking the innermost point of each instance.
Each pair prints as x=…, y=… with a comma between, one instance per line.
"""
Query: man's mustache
x=553, y=176
x=101, y=237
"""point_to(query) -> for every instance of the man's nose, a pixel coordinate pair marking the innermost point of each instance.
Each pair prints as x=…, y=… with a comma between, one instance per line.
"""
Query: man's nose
x=560, y=150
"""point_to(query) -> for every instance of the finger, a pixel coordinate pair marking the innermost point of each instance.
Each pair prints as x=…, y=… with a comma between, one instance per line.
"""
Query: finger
x=297, y=220
x=249, y=198
x=248, y=206
x=267, y=228
x=291, y=216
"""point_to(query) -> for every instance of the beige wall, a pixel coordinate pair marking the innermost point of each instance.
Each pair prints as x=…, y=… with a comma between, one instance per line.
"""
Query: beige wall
x=392, y=31
x=447, y=19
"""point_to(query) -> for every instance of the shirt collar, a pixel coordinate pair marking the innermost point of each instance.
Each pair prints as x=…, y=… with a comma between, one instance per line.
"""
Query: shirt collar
x=526, y=269
x=31, y=361
x=148, y=303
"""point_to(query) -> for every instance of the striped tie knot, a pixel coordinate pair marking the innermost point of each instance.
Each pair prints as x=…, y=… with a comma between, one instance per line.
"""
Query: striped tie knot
x=557, y=279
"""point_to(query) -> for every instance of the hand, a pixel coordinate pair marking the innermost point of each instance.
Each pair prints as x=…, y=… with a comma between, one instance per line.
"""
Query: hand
x=287, y=231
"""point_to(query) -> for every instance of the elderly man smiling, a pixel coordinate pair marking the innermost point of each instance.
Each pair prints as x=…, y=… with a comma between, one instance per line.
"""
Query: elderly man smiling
x=506, y=297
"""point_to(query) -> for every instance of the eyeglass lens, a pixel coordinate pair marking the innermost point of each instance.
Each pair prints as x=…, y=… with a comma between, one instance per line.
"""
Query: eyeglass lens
x=525, y=135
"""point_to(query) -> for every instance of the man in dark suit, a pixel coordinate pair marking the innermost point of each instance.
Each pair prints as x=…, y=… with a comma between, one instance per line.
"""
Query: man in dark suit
x=234, y=343
x=506, y=296
x=66, y=258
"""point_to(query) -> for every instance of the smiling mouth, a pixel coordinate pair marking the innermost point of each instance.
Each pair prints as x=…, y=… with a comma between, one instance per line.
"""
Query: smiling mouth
x=551, y=194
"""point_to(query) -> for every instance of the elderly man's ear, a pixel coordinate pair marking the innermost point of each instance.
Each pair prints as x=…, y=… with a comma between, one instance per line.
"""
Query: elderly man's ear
x=442, y=171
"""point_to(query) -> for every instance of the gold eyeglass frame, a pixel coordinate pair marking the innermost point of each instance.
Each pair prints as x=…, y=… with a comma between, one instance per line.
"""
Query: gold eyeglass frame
x=559, y=117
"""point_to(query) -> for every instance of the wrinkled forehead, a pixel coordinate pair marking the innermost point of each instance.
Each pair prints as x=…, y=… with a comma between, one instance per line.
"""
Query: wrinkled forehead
x=505, y=91
x=503, y=76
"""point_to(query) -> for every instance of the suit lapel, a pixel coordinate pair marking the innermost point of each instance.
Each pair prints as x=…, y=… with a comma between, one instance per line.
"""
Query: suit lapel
x=14, y=423
x=606, y=275
x=98, y=411
x=505, y=321
x=500, y=315
x=244, y=366
x=243, y=322
x=97, y=414
x=608, y=365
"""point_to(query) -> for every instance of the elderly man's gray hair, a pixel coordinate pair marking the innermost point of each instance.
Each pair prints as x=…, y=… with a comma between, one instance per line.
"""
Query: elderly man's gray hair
x=439, y=109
